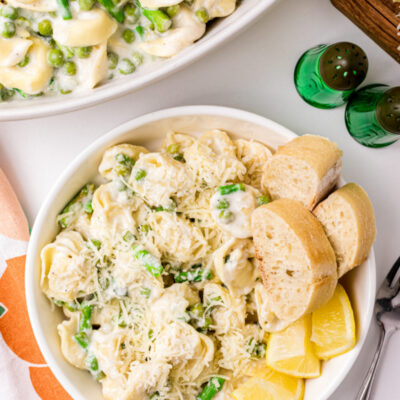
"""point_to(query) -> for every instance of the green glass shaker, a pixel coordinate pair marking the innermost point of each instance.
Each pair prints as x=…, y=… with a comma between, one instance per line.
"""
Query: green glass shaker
x=373, y=115
x=326, y=75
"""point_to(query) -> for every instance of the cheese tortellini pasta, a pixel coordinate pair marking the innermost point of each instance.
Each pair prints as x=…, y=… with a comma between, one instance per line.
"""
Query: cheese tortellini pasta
x=159, y=289
x=52, y=47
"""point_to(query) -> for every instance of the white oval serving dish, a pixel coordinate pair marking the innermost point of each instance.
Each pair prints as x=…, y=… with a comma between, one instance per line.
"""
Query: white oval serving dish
x=149, y=130
x=219, y=32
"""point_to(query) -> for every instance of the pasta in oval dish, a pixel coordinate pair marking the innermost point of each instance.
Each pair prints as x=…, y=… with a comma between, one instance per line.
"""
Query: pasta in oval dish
x=61, y=46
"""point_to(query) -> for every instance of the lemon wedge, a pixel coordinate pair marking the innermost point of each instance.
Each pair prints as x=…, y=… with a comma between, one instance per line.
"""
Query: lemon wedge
x=290, y=351
x=267, y=384
x=333, y=326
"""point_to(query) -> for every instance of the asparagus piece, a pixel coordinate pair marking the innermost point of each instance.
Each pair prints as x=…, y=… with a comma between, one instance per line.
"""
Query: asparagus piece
x=160, y=19
x=151, y=263
x=228, y=189
x=116, y=12
x=65, y=11
x=214, y=386
x=82, y=338
x=81, y=202
x=264, y=199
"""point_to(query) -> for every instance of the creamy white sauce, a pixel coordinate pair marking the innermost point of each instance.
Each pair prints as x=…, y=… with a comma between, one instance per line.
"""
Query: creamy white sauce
x=241, y=205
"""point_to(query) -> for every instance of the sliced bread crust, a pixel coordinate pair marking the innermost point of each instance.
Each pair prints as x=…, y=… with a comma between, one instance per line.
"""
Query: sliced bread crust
x=295, y=259
x=305, y=169
x=348, y=219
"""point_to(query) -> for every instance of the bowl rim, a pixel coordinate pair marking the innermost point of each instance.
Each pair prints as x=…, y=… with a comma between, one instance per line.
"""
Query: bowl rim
x=125, y=86
x=65, y=176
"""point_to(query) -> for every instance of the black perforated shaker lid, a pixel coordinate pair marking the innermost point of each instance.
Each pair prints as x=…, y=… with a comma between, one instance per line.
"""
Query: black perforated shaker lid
x=388, y=110
x=343, y=66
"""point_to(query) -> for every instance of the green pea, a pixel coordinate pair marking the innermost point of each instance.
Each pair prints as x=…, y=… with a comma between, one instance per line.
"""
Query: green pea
x=45, y=28
x=140, y=31
x=197, y=310
x=226, y=216
x=264, y=199
x=55, y=58
x=222, y=204
x=112, y=60
x=24, y=62
x=9, y=12
x=126, y=66
x=53, y=14
x=207, y=322
x=23, y=21
x=83, y=52
x=172, y=10
x=144, y=228
x=128, y=236
x=140, y=174
x=8, y=29
x=67, y=51
x=86, y=5
x=202, y=15
x=146, y=292
x=5, y=93
x=137, y=59
x=173, y=148
x=131, y=13
x=70, y=68
x=128, y=35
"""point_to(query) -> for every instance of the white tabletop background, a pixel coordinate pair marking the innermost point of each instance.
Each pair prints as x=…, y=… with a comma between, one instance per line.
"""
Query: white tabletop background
x=254, y=72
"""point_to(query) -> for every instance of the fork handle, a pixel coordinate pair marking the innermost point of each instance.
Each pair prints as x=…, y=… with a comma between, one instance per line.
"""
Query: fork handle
x=365, y=390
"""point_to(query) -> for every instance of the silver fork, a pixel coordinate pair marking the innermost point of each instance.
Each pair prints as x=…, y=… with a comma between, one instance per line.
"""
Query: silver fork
x=387, y=311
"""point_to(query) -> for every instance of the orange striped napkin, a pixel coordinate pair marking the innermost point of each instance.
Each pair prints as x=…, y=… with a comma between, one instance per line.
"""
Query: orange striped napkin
x=24, y=374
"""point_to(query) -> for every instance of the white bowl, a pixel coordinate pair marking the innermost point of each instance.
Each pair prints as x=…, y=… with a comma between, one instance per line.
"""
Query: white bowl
x=220, y=31
x=149, y=130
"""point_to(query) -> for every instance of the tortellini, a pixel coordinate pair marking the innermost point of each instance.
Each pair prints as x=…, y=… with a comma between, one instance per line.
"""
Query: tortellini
x=266, y=318
x=70, y=349
x=172, y=304
x=176, y=143
x=93, y=69
x=142, y=381
x=185, y=348
x=232, y=210
x=158, y=178
x=34, y=77
x=92, y=43
x=216, y=8
x=254, y=156
x=212, y=159
x=118, y=160
x=187, y=28
x=88, y=28
x=236, y=347
x=113, y=211
x=228, y=312
x=234, y=267
x=178, y=238
x=66, y=273
x=13, y=51
x=35, y=5
x=107, y=349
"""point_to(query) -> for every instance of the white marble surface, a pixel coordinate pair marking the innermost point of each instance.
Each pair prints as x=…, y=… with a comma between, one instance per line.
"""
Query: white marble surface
x=254, y=72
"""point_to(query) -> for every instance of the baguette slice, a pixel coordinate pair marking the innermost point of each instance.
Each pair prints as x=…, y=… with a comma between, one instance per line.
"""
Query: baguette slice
x=296, y=261
x=305, y=169
x=349, y=222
